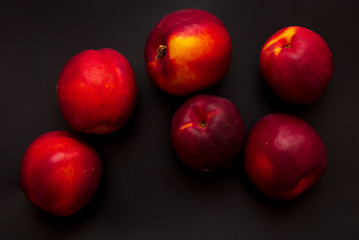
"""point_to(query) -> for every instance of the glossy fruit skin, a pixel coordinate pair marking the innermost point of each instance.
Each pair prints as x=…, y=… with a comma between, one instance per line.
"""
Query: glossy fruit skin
x=198, y=52
x=284, y=156
x=207, y=133
x=296, y=64
x=60, y=173
x=97, y=91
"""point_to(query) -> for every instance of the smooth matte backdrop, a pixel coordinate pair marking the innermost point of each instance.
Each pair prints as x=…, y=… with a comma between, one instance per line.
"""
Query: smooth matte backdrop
x=146, y=192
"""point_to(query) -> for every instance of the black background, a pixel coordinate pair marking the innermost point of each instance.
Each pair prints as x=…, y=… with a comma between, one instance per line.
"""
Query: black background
x=146, y=193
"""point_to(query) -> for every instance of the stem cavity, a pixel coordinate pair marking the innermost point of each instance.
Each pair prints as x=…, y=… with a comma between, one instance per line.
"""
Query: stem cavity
x=203, y=123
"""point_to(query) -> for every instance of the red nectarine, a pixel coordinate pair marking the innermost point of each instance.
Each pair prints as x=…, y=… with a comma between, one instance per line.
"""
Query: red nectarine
x=188, y=50
x=97, y=91
x=60, y=173
x=297, y=64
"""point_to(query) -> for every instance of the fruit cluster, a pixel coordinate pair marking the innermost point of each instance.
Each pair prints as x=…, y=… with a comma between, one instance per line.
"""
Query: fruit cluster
x=187, y=51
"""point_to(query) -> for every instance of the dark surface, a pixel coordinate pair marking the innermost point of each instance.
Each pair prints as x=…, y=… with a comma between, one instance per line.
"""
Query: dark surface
x=146, y=193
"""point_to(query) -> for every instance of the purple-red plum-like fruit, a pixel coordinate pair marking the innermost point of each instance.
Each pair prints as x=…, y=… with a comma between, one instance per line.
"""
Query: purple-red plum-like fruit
x=207, y=133
x=284, y=156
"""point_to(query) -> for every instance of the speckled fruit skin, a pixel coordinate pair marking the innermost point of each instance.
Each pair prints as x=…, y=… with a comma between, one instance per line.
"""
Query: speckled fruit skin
x=198, y=52
x=60, y=173
x=296, y=64
x=97, y=91
x=284, y=156
x=207, y=133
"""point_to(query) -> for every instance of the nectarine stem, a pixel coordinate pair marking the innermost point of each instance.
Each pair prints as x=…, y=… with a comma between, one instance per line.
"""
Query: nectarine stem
x=161, y=51
x=203, y=123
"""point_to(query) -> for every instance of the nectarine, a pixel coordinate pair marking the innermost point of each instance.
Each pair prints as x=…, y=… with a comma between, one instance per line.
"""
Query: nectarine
x=296, y=64
x=188, y=50
x=284, y=156
x=97, y=91
x=207, y=132
x=60, y=173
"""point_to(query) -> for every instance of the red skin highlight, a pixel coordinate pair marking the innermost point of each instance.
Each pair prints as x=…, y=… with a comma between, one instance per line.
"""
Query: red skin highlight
x=194, y=67
x=284, y=156
x=60, y=173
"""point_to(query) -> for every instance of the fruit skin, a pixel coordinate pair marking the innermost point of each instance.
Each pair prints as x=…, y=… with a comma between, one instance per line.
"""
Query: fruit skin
x=198, y=52
x=207, y=133
x=284, y=156
x=97, y=91
x=60, y=173
x=296, y=64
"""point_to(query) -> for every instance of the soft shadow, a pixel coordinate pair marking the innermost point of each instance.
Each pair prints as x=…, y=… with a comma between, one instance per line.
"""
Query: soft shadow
x=63, y=225
x=274, y=102
x=116, y=136
x=255, y=194
x=201, y=176
x=176, y=101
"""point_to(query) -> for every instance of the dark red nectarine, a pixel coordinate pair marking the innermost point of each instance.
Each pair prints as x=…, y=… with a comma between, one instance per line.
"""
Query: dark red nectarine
x=284, y=156
x=207, y=132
